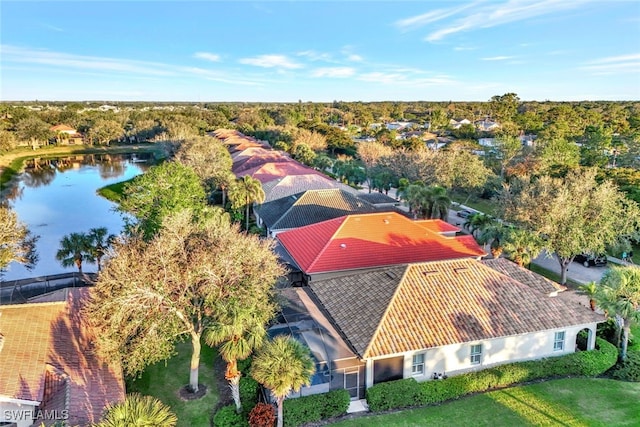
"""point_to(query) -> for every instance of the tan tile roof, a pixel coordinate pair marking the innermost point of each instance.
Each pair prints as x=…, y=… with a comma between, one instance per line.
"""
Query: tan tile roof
x=56, y=334
x=440, y=303
x=26, y=329
x=522, y=275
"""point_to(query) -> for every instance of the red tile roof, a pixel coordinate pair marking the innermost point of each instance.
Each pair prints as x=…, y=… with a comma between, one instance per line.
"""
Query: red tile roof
x=274, y=170
x=438, y=225
x=371, y=240
x=247, y=163
x=56, y=334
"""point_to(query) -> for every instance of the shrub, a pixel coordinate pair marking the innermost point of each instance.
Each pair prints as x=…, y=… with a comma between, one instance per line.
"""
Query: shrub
x=262, y=415
x=228, y=417
x=315, y=407
x=394, y=394
x=629, y=370
x=248, y=392
x=407, y=392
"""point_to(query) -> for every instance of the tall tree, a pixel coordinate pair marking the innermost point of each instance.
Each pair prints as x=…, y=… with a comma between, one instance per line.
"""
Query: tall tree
x=504, y=150
x=283, y=365
x=17, y=243
x=244, y=193
x=619, y=295
x=239, y=330
x=160, y=191
x=34, y=130
x=104, y=131
x=74, y=250
x=151, y=294
x=573, y=215
x=209, y=159
x=370, y=153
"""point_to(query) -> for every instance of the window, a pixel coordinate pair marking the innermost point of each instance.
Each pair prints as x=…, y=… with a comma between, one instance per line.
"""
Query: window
x=558, y=341
x=476, y=354
x=417, y=367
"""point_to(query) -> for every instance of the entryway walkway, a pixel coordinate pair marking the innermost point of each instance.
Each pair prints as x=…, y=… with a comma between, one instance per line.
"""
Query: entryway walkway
x=357, y=406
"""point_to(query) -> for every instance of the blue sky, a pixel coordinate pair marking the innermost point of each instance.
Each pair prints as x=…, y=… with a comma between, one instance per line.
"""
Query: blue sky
x=319, y=51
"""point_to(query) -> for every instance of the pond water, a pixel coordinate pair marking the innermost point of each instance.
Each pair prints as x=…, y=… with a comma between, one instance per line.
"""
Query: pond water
x=55, y=197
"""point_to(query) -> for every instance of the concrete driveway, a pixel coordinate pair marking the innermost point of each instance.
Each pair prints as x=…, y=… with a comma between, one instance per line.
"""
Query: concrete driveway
x=576, y=271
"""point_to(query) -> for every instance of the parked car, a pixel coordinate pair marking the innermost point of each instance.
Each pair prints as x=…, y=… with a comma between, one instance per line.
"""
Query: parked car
x=589, y=260
x=464, y=213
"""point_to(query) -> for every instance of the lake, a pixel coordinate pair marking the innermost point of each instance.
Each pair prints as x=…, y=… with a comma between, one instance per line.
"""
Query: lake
x=56, y=197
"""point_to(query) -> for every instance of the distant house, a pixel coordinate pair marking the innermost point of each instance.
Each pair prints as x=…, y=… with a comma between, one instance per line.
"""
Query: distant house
x=424, y=320
x=308, y=207
x=48, y=365
x=486, y=125
x=66, y=135
x=457, y=124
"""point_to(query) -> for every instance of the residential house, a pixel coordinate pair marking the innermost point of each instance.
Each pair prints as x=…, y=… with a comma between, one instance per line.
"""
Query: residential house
x=487, y=125
x=49, y=368
x=308, y=207
x=424, y=320
x=66, y=135
x=358, y=242
x=457, y=124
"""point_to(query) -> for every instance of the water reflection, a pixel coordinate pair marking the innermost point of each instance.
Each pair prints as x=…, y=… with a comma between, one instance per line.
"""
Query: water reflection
x=57, y=196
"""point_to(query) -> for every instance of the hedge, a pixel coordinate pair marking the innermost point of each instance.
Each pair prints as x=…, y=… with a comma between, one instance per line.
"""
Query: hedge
x=228, y=417
x=408, y=392
x=316, y=407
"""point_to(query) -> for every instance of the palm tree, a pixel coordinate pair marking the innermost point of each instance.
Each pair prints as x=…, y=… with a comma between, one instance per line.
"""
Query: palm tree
x=416, y=196
x=283, y=365
x=240, y=331
x=99, y=243
x=590, y=289
x=522, y=245
x=74, y=248
x=619, y=295
x=477, y=222
x=244, y=192
x=138, y=411
x=438, y=202
x=493, y=234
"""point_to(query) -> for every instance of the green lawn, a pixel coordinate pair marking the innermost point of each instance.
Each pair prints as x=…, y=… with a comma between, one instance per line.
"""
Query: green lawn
x=164, y=381
x=566, y=402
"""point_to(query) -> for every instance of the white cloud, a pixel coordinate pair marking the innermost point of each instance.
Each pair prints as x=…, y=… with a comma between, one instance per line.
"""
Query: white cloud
x=497, y=58
x=614, y=64
x=487, y=15
x=396, y=78
x=355, y=58
x=333, y=72
x=312, y=55
x=429, y=17
x=207, y=56
x=58, y=59
x=271, y=61
x=67, y=62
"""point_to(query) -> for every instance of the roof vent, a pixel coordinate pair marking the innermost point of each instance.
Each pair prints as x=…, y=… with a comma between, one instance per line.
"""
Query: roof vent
x=391, y=274
x=461, y=269
x=430, y=272
x=343, y=245
x=386, y=221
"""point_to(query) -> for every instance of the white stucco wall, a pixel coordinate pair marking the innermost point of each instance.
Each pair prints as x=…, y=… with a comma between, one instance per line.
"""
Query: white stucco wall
x=456, y=358
x=19, y=413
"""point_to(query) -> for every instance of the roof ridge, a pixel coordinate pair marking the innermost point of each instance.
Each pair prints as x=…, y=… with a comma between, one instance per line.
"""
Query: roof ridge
x=342, y=220
x=32, y=304
x=386, y=310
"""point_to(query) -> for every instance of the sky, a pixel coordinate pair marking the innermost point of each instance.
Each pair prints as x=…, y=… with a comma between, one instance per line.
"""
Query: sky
x=319, y=51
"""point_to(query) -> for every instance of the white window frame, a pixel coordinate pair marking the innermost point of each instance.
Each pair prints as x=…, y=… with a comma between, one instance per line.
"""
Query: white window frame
x=475, y=354
x=417, y=365
x=558, y=340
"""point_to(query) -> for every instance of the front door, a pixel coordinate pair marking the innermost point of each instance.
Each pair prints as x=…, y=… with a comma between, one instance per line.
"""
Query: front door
x=352, y=384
